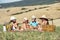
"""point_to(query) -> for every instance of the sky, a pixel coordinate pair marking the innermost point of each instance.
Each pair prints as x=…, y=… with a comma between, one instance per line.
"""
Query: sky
x=8, y=1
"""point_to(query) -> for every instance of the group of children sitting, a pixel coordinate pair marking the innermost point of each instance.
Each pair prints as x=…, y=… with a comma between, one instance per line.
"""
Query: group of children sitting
x=26, y=25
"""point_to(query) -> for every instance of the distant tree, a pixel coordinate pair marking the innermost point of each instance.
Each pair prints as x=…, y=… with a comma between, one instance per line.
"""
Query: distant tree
x=23, y=8
x=0, y=6
x=8, y=10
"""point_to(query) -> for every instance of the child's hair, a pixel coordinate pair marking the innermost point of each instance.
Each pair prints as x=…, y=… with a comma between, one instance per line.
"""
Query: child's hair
x=47, y=23
x=12, y=21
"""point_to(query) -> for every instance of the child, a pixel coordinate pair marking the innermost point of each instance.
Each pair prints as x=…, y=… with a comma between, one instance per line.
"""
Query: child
x=34, y=23
x=14, y=23
x=25, y=25
x=44, y=20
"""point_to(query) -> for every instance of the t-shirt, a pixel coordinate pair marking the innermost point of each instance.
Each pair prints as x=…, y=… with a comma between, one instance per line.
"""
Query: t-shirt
x=9, y=26
x=34, y=24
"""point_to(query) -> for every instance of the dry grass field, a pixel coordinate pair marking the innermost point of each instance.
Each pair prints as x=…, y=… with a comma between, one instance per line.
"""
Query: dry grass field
x=51, y=11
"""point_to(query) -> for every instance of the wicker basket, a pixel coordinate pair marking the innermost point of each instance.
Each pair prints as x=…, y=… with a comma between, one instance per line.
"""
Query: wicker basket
x=49, y=28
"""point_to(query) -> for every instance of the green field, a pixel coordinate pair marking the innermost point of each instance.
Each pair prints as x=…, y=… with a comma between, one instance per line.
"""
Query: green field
x=30, y=35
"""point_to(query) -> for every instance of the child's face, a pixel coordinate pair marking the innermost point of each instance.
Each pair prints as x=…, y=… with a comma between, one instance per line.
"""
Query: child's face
x=25, y=21
x=14, y=21
x=34, y=19
x=43, y=20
